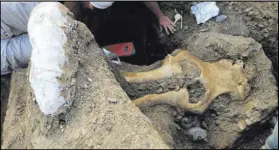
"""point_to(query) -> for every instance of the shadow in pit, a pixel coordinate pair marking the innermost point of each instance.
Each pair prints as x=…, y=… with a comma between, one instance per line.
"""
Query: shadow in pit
x=5, y=90
x=255, y=136
x=129, y=22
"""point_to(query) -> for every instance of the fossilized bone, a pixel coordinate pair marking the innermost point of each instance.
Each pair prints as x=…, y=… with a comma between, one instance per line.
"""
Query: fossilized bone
x=218, y=78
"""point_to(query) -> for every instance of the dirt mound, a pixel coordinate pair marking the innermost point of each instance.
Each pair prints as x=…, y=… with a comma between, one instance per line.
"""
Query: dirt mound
x=249, y=19
x=225, y=120
x=101, y=116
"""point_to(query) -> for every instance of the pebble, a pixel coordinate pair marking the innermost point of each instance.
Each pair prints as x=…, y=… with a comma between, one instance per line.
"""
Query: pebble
x=85, y=86
x=179, y=117
x=176, y=88
x=220, y=18
x=90, y=80
x=265, y=30
x=248, y=122
x=188, y=122
x=266, y=35
x=174, y=113
x=186, y=28
x=203, y=30
x=250, y=13
x=261, y=25
x=159, y=90
x=112, y=100
x=197, y=134
x=242, y=125
x=248, y=9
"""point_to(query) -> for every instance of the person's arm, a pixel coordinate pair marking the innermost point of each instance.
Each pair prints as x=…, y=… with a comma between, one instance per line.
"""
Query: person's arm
x=163, y=20
x=154, y=7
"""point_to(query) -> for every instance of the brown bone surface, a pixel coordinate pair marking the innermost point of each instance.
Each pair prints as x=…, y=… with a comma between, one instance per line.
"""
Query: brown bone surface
x=218, y=78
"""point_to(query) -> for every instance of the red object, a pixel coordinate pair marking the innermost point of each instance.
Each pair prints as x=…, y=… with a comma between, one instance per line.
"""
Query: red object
x=122, y=49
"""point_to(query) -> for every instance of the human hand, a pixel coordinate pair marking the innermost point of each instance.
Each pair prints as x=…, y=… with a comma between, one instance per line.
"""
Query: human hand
x=167, y=24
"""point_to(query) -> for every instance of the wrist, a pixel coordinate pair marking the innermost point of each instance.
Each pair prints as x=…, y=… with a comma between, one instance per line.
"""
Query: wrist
x=160, y=15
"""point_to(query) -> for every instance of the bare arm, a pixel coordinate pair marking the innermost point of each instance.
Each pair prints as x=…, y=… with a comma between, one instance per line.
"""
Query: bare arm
x=163, y=20
x=154, y=7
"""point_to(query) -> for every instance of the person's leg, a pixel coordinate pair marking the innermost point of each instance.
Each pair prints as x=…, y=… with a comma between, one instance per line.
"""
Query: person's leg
x=272, y=141
x=15, y=53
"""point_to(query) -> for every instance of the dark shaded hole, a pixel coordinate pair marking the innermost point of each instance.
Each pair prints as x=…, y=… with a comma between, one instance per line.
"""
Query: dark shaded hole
x=196, y=92
x=256, y=132
x=127, y=22
x=5, y=90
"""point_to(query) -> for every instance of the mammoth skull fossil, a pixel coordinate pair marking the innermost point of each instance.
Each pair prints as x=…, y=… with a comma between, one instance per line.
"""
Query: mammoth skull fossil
x=223, y=76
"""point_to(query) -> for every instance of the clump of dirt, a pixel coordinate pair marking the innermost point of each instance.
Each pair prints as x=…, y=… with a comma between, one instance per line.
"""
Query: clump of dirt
x=196, y=92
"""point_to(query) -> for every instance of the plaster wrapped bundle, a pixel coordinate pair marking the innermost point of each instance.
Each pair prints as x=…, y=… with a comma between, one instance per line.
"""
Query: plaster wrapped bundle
x=53, y=66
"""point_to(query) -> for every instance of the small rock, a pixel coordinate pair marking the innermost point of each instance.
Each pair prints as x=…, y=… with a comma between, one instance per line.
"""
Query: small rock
x=171, y=86
x=174, y=113
x=85, y=86
x=248, y=9
x=250, y=13
x=265, y=30
x=49, y=127
x=248, y=122
x=266, y=35
x=203, y=124
x=220, y=18
x=178, y=127
x=242, y=125
x=261, y=25
x=185, y=28
x=203, y=30
x=159, y=90
x=188, y=122
x=176, y=88
x=197, y=134
x=73, y=81
x=112, y=100
x=179, y=117
x=90, y=80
